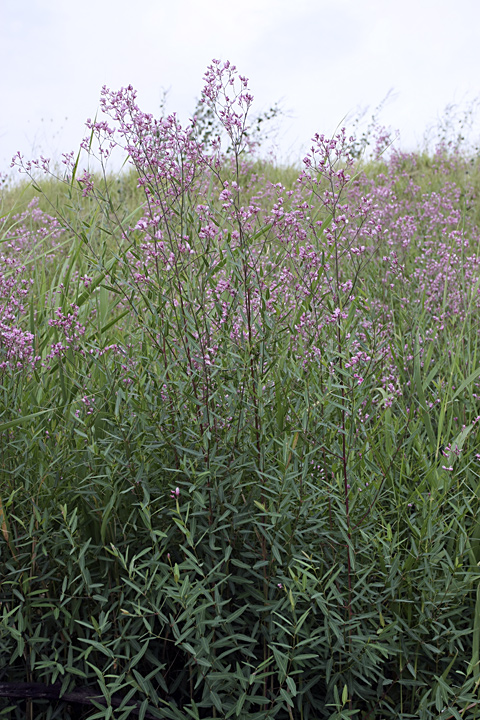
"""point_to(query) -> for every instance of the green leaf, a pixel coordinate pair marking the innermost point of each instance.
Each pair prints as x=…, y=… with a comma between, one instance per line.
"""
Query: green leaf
x=421, y=396
x=474, y=665
x=22, y=420
x=291, y=685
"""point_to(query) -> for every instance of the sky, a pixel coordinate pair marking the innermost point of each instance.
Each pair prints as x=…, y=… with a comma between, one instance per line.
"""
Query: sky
x=320, y=60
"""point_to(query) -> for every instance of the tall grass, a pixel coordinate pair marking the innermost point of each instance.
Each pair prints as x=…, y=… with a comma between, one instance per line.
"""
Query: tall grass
x=239, y=430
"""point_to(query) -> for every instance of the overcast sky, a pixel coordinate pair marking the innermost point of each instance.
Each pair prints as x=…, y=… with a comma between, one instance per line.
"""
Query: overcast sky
x=321, y=59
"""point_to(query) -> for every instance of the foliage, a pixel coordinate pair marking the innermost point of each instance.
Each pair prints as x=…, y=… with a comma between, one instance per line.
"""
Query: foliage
x=238, y=460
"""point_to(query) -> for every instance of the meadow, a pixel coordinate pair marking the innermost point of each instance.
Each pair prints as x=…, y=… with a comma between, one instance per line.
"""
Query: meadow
x=239, y=426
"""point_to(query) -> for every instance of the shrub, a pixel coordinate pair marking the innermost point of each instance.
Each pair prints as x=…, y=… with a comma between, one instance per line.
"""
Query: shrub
x=239, y=472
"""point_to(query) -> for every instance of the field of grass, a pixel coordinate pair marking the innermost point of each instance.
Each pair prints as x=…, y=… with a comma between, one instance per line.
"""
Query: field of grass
x=239, y=429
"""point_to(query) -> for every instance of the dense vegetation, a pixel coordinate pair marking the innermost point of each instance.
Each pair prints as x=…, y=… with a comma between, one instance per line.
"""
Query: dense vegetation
x=239, y=428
